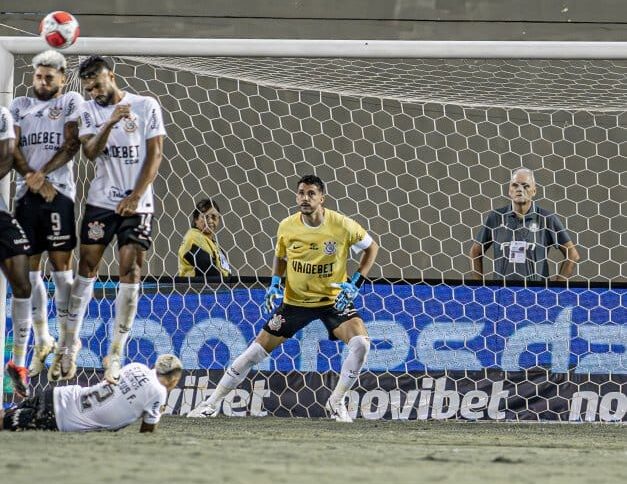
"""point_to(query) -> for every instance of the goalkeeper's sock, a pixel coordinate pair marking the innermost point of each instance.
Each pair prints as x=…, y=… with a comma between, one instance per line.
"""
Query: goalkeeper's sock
x=238, y=370
x=22, y=322
x=39, y=308
x=358, y=348
x=125, y=311
x=81, y=293
x=62, y=289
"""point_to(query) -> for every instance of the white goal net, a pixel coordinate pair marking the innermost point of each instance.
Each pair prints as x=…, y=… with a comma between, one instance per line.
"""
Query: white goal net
x=417, y=151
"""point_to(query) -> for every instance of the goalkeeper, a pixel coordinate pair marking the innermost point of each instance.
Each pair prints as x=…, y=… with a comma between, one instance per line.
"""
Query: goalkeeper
x=312, y=252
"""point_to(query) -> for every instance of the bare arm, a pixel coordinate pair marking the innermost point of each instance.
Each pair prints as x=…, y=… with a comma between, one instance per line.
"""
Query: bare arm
x=67, y=151
x=148, y=173
x=19, y=161
x=279, y=266
x=7, y=149
x=93, y=144
x=571, y=257
x=367, y=258
x=476, y=255
x=36, y=180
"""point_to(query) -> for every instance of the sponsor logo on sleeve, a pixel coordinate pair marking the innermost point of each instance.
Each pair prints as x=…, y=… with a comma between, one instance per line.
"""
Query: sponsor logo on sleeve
x=154, y=119
x=87, y=119
x=70, y=108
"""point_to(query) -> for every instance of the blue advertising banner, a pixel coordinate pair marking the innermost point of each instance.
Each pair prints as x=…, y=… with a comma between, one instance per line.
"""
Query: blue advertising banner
x=413, y=328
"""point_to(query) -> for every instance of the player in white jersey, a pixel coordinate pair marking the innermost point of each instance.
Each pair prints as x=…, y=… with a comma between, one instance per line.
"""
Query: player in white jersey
x=123, y=133
x=47, y=134
x=14, y=248
x=140, y=393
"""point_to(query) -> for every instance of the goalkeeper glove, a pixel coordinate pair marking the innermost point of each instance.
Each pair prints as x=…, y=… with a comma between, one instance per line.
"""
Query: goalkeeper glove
x=348, y=291
x=273, y=292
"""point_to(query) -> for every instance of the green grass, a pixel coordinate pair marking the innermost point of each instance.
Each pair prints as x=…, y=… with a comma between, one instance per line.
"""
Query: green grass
x=276, y=450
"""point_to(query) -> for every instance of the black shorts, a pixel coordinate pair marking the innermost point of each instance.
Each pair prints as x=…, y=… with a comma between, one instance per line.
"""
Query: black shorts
x=13, y=240
x=100, y=225
x=49, y=226
x=34, y=413
x=289, y=319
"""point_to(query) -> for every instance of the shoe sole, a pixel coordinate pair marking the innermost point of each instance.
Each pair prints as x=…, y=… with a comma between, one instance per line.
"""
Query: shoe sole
x=42, y=362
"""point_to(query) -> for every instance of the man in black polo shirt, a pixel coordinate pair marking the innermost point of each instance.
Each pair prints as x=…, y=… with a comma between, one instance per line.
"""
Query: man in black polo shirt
x=522, y=233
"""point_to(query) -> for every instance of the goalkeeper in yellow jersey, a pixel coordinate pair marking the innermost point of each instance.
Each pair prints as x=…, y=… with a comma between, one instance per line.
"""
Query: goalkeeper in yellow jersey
x=312, y=251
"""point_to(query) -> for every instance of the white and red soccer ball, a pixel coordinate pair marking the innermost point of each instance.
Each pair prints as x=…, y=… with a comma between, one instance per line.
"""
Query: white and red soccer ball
x=59, y=29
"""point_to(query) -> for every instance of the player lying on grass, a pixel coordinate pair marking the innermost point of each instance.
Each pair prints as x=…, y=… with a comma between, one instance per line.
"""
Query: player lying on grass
x=312, y=252
x=140, y=392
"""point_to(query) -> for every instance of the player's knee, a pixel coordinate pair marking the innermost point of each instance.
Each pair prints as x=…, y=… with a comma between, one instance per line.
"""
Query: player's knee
x=360, y=345
x=21, y=289
x=131, y=271
x=87, y=267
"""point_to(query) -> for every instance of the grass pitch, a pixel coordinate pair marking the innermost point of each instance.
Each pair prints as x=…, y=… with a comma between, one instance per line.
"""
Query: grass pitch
x=278, y=450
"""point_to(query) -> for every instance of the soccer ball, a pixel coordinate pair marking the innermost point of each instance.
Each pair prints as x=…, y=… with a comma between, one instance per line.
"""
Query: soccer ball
x=60, y=29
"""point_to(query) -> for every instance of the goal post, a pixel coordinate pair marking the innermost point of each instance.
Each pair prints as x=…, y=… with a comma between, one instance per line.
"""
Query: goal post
x=416, y=141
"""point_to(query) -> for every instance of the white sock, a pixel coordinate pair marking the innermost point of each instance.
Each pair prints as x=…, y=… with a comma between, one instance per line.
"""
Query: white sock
x=39, y=307
x=238, y=370
x=22, y=321
x=62, y=289
x=125, y=311
x=82, y=290
x=358, y=348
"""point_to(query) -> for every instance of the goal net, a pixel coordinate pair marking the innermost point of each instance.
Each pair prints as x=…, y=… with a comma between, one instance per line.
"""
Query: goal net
x=417, y=151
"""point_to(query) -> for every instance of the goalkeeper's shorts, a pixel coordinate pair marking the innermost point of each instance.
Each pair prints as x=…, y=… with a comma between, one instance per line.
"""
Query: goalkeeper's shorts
x=290, y=319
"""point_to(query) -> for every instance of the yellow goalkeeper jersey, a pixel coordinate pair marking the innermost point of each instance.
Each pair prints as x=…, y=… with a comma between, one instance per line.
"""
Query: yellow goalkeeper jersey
x=316, y=256
x=188, y=253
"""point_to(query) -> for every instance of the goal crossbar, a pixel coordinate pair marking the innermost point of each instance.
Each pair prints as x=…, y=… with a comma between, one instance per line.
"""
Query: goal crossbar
x=329, y=48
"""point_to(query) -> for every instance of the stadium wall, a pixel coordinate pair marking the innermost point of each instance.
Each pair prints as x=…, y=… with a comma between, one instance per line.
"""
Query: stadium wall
x=439, y=351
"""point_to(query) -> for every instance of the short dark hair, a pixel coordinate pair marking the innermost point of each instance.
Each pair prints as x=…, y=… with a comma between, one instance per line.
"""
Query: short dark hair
x=201, y=207
x=92, y=66
x=311, y=180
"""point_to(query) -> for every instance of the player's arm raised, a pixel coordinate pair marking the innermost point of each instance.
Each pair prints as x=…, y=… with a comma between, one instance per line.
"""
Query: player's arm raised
x=148, y=173
x=93, y=144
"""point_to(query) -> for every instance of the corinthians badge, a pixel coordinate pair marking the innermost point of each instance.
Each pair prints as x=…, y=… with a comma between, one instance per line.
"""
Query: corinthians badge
x=54, y=112
x=96, y=230
x=330, y=247
x=130, y=125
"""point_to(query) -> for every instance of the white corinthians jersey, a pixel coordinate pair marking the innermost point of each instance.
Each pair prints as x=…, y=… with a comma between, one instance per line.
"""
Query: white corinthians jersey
x=122, y=159
x=41, y=126
x=111, y=407
x=6, y=132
